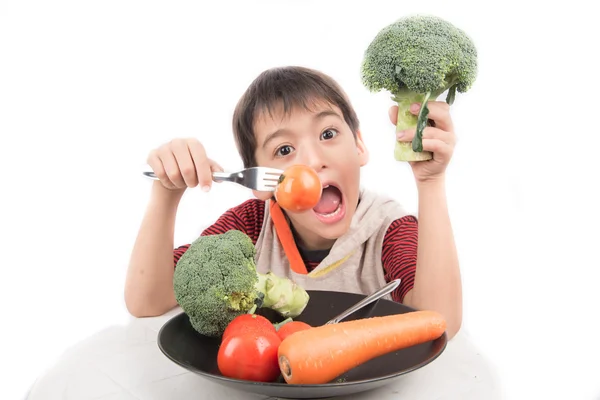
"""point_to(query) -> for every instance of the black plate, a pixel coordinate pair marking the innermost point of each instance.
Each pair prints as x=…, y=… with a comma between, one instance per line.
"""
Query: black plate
x=197, y=353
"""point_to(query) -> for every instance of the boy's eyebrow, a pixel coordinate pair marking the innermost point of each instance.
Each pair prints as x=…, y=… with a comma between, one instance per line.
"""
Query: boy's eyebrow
x=283, y=131
x=326, y=113
x=274, y=135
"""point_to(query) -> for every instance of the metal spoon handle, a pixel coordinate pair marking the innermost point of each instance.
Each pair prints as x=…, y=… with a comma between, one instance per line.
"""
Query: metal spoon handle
x=367, y=300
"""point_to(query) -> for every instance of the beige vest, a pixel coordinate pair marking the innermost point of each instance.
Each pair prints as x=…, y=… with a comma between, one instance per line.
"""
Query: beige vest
x=354, y=262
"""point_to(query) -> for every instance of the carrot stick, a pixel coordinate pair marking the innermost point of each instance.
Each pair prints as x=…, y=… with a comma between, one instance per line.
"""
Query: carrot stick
x=321, y=354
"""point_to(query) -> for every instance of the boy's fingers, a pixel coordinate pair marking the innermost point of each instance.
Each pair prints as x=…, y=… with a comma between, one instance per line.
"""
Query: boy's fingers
x=171, y=168
x=215, y=167
x=439, y=112
x=441, y=150
x=202, y=163
x=157, y=167
x=429, y=132
x=186, y=165
x=393, y=114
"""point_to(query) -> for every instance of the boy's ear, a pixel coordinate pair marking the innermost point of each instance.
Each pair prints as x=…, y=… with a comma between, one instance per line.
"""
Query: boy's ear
x=363, y=152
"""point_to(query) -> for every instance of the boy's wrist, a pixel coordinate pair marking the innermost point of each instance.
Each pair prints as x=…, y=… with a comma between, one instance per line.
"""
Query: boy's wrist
x=165, y=197
x=432, y=185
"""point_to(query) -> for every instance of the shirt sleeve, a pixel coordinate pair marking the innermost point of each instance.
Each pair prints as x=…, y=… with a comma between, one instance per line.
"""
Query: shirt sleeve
x=246, y=217
x=399, y=254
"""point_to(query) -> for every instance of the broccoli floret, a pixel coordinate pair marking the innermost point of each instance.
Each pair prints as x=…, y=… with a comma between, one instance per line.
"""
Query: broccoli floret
x=216, y=280
x=416, y=59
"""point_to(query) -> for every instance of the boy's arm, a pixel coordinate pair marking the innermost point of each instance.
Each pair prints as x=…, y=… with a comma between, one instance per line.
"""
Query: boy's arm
x=437, y=278
x=437, y=284
x=149, y=282
x=179, y=164
x=399, y=255
x=149, y=286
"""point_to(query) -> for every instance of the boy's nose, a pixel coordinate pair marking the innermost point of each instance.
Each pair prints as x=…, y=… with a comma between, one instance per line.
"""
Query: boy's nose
x=314, y=159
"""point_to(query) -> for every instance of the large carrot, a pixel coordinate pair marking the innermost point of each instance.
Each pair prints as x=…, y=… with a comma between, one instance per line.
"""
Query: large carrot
x=320, y=354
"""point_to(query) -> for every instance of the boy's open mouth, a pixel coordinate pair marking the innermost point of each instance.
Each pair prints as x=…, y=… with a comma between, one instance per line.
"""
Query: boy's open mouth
x=330, y=208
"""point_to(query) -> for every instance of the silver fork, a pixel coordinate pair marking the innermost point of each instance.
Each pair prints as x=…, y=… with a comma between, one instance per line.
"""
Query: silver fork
x=367, y=300
x=262, y=179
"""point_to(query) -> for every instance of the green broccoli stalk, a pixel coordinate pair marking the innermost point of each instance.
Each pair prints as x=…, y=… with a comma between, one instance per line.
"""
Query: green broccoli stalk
x=282, y=295
x=216, y=280
x=416, y=59
x=282, y=323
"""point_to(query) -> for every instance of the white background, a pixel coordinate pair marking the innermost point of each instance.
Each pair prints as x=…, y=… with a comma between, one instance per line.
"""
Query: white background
x=87, y=89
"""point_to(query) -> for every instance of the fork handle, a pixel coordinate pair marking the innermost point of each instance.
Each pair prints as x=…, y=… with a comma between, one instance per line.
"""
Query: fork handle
x=224, y=176
x=367, y=300
x=150, y=175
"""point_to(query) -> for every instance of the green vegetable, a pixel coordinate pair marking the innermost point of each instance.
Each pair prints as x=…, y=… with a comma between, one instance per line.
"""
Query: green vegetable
x=416, y=59
x=216, y=280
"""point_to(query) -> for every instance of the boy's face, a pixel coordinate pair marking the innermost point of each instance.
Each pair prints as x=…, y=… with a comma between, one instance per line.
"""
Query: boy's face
x=321, y=139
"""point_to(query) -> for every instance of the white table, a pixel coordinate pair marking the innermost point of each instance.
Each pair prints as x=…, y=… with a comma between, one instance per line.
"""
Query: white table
x=125, y=363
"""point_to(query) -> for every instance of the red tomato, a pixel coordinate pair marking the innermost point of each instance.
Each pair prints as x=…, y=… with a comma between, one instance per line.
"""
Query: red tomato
x=250, y=356
x=248, y=323
x=298, y=189
x=292, y=327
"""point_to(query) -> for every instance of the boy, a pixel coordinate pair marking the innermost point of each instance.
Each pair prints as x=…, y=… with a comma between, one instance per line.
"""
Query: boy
x=352, y=241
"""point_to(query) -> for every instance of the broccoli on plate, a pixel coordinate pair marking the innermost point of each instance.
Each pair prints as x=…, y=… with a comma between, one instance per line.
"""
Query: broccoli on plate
x=416, y=59
x=216, y=280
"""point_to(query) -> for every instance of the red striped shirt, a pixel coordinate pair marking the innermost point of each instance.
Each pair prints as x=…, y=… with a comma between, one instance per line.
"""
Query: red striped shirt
x=399, y=252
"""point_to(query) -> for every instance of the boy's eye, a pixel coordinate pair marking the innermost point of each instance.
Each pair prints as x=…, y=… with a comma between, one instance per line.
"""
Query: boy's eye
x=329, y=134
x=283, y=150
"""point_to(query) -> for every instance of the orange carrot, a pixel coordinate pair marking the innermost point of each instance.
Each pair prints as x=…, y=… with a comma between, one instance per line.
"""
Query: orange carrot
x=321, y=354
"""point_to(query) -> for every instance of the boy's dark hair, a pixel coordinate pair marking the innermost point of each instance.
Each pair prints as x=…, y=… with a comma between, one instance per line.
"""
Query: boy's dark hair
x=288, y=86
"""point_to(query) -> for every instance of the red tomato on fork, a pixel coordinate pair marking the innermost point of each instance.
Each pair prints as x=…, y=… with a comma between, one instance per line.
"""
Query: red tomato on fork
x=298, y=189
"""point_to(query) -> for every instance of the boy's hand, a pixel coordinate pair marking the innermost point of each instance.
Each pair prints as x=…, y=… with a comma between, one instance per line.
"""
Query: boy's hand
x=439, y=139
x=181, y=164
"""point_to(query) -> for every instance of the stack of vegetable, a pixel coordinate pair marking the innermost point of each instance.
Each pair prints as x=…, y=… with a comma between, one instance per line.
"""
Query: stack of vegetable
x=217, y=285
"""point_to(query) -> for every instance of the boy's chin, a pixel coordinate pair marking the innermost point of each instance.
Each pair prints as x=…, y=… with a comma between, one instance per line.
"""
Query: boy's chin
x=332, y=234
x=330, y=231
x=262, y=195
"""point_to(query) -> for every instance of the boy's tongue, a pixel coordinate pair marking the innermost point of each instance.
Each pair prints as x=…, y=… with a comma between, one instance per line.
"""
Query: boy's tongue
x=330, y=200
